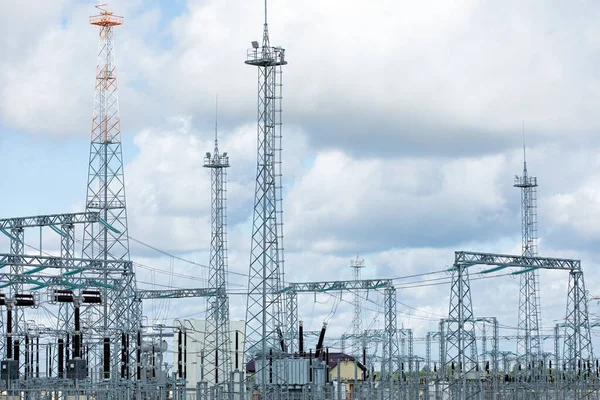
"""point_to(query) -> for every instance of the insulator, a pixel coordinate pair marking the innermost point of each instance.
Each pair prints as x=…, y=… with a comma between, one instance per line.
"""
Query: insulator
x=139, y=355
x=24, y=300
x=123, y=354
x=91, y=296
x=63, y=296
x=61, y=358
x=106, y=358
x=327, y=365
x=300, y=339
x=237, y=347
x=179, y=354
x=16, y=353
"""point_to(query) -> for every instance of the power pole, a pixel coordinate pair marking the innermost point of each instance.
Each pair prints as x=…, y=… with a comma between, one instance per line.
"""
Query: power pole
x=216, y=339
x=265, y=328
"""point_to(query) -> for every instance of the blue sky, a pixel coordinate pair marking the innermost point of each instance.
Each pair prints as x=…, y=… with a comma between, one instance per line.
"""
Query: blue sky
x=402, y=134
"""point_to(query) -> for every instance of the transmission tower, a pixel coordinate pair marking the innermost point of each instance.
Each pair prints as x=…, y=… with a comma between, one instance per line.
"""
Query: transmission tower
x=265, y=312
x=119, y=313
x=528, y=344
x=218, y=356
x=357, y=264
x=460, y=353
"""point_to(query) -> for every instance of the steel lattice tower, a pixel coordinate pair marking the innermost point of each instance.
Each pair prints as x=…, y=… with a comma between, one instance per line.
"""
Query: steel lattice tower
x=357, y=330
x=460, y=355
x=17, y=248
x=217, y=348
x=119, y=312
x=578, y=353
x=265, y=317
x=528, y=342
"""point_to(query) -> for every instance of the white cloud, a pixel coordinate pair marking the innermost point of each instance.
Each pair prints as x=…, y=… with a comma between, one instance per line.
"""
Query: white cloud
x=421, y=75
x=342, y=200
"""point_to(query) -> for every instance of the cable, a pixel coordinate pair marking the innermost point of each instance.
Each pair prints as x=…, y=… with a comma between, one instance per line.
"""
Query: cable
x=417, y=275
x=180, y=258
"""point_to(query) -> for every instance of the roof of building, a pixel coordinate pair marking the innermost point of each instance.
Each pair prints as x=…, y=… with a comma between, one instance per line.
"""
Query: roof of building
x=334, y=359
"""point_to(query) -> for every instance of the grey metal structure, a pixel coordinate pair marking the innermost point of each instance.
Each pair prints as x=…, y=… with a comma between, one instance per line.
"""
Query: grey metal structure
x=119, y=312
x=391, y=354
x=60, y=223
x=216, y=339
x=460, y=335
x=265, y=320
x=145, y=294
x=529, y=347
x=578, y=354
x=356, y=265
x=460, y=355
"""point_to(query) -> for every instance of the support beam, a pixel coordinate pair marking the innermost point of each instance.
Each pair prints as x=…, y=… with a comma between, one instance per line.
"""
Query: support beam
x=142, y=294
x=468, y=257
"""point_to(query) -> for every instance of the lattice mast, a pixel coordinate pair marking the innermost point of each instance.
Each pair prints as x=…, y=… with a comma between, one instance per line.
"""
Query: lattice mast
x=460, y=354
x=356, y=265
x=265, y=331
x=217, y=348
x=106, y=195
x=528, y=338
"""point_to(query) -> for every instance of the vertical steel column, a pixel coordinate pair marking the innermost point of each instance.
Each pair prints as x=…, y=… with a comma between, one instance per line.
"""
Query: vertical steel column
x=577, y=350
x=389, y=366
x=265, y=310
x=17, y=243
x=67, y=245
x=357, y=265
x=216, y=339
x=427, y=363
x=460, y=338
x=557, y=369
x=292, y=323
x=529, y=347
x=108, y=239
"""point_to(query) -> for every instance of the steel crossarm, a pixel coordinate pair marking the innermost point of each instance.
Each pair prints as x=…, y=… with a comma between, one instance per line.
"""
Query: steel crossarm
x=67, y=264
x=174, y=293
x=49, y=220
x=366, y=284
x=505, y=260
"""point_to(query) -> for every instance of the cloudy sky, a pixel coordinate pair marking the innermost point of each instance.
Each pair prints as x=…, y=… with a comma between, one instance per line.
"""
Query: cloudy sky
x=402, y=136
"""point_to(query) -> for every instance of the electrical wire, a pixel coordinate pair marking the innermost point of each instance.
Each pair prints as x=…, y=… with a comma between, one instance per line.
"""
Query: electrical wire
x=180, y=258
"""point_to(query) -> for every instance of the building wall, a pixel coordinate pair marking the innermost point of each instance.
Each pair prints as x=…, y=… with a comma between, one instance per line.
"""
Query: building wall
x=195, y=344
x=347, y=368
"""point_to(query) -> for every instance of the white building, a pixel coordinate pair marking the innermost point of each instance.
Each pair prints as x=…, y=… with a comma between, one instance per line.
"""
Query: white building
x=195, y=330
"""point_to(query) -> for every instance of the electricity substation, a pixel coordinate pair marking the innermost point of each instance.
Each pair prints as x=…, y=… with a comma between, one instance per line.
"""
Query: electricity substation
x=100, y=346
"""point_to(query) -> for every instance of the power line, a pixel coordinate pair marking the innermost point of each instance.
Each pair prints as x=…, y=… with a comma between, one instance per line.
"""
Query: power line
x=180, y=258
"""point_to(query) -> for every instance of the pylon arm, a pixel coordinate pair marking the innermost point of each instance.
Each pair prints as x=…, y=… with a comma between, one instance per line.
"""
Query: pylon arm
x=367, y=284
x=175, y=293
x=67, y=264
x=49, y=220
x=466, y=257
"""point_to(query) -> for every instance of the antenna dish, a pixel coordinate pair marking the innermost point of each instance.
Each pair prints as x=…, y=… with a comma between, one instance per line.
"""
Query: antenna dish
x=254, y=44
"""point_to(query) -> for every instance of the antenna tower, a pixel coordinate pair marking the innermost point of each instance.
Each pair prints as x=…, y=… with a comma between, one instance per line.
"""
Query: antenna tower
x=357, y=264
x=265, y=312
x=218, y=356
x=528, y=338
x=119, y=313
